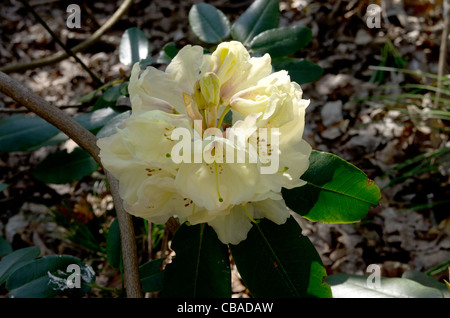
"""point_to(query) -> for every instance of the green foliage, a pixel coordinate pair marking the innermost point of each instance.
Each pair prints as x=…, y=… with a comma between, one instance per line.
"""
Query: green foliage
x=426, y=280
x=14, y=260
x=281, y=41
x=300, y=70
x=5, y=247
x=48, y=276
x=20, y=133
x=111, y=126
x=336, y=191
x=113, y=246
x=389, y=57
x=133, y=47
x=168, y=52
x=62, y=167
x=201, y=267
x=277, y=261
x=3, y=186
x=257, y=28
x=356, y=286
x=110, y=96
x=262, y=15
x=152, y=276
x=208, y=23
x=274, y=261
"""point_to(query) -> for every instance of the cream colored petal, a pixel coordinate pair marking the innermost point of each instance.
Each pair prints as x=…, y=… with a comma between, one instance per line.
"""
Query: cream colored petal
x=247, y=76
x=235, y=183
x=233, y=227
x=274, y=210
x=148, y=135
x=156, y=84
x=184, y=68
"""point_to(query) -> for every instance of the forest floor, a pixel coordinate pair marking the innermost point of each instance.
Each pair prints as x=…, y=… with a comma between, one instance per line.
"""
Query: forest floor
x=349, y=115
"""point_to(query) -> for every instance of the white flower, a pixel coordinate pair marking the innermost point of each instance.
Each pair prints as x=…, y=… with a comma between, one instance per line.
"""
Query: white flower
x=173, y=156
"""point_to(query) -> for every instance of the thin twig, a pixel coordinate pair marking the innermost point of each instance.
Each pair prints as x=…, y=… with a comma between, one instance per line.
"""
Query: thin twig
x=443, y=50
x=88, y=141
x=57, y=40
x=26, y=110
x=61, y=55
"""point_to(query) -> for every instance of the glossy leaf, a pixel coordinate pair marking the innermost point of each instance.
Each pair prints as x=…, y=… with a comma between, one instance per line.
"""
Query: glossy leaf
x=201, y=267
x=5, y=247
x=13, y=261
x=49, y=276
x=168, y=52
x=134, y=46
x=277, y=261
x=152, y=277
x=21, y=133
x=281, y=41
x=300, y=71
x=426, y=280
x=108, y=98
x=111, y=126
x=357, y=286
x=62, y=167
x=208, y=23
x=113, y=245
x=95, y=120
x=336, y=191
x=262, y=15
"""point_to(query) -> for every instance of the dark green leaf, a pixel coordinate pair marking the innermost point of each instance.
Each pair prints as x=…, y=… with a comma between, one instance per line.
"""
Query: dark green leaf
x=208, y=23
x=168, y=52
x=5, y=247
x=152, y=277
x=20, y=133
x=50, y=276
x=426, y=280
x=262, y=15
x=111, y=126
x=91, y=95
x=277, y=261
x=113, y=245
x=146, y=62
x=17, y=259
x=93, y=121
x=356, y=286
x=133, y=47
x=300, y=71
x=336, y=191
x=3, y=186
x=201, y=267
x=108, y=98
x=171, y=50
x=62, y=167
x=281, y=41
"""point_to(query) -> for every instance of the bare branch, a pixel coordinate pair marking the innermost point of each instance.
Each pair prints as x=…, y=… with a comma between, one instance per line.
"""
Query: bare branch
x=59, y=56
x=88, y=141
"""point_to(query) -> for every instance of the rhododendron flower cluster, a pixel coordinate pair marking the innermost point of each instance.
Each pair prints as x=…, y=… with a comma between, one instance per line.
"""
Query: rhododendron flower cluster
x=186, y=105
